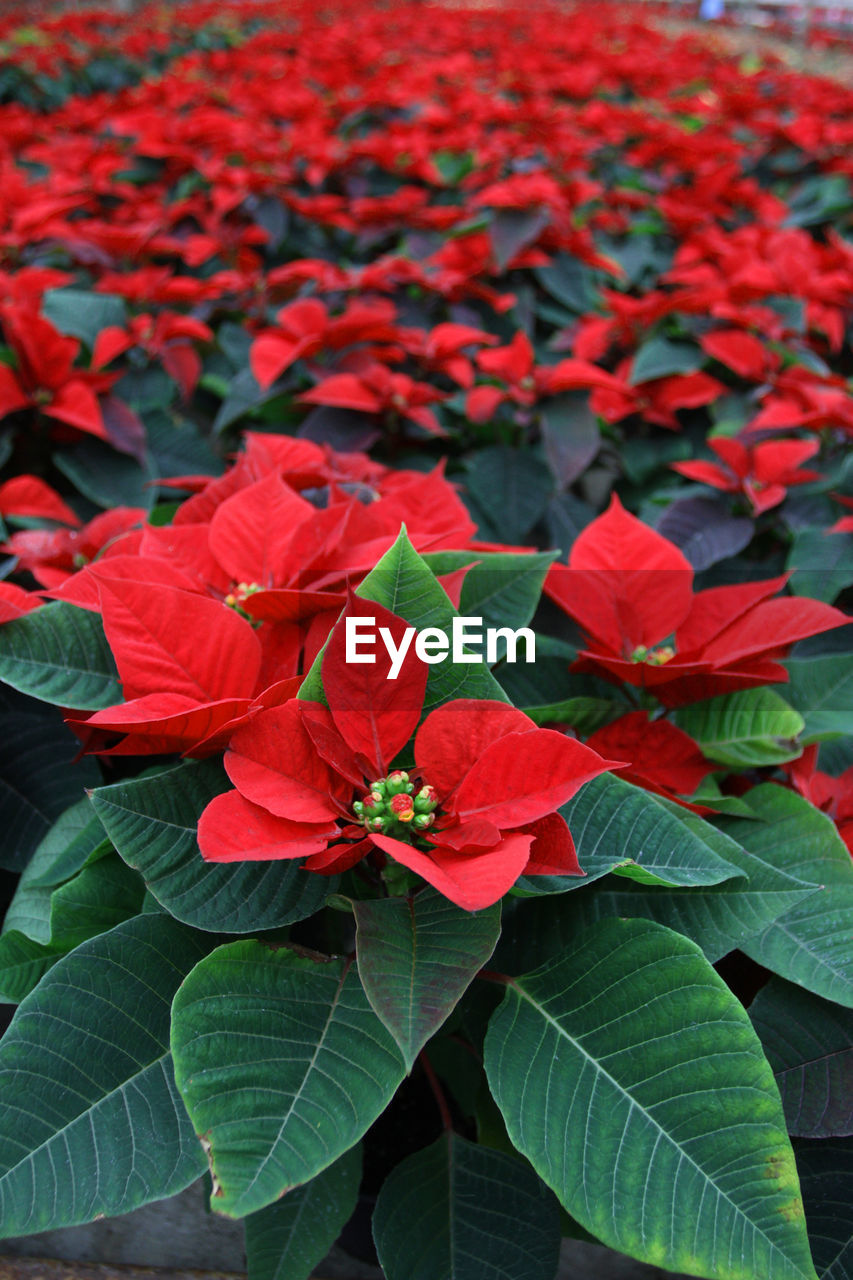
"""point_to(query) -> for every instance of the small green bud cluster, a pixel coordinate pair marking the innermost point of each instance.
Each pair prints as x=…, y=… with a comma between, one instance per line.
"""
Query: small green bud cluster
x=393, y=807
x=241, y=592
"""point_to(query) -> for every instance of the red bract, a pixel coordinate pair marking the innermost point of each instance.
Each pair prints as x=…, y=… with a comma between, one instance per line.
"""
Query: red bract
x=31, y=497
x=832, y=795
x=379, y=391
x=661, y=757
x=631, y=591
x=526, y=382
x=314, y=781
x=762, y=473
x=44, y=376
x=167, y=337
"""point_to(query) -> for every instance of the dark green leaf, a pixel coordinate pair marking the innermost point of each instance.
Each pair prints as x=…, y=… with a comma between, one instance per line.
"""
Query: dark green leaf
x=105, y=477
x=153, y=821
x=660, y=358
x=809, y=1045
x=416, y=956
x=630, y=1077
x=826, y=1177
x=286, y=1240
x=59, y=654
x=92, y=1123
x=501, y=588
x=38, y=779
x=457, y=1211
x=619, y=827
x=508, y=490
x=82, y=314
x=282, y=1064
x=810, y=944
x=821, y=689
x=822, y=564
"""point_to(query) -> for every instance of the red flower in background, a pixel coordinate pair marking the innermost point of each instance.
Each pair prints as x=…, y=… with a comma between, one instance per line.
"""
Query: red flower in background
x=318, y=782
x=631, y=592
x=832, y=795
x=662, y=758
x=763, y=473
x=526, y=382
x=44, y=376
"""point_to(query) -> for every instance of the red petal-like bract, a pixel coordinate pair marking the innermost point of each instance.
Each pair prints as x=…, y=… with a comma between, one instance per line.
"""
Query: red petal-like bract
x=453, y=737
x=274, y=763
x=471, y=880
x=232, y=829
x=374, y=714
x=170, y=639
x=524, y=776
x=624, y=582
x=30, y=496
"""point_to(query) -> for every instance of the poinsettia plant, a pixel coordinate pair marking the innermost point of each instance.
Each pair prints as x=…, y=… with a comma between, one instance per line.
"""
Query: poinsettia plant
x=514, y=356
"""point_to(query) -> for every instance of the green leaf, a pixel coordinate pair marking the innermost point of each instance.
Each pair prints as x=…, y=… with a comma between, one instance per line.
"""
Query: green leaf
x=569, y=281
x=67, y=847
x=718, y=917
x=403, y=583
x=508, y=491
x=821, y=689
x=42, y=925
x=810, y=944
x=660, y=358
x=822, y=564
x=416, y=957
x=501, y=588
x=570, y=435
x=286, y=1240
x=809, y=1044
x=83, y=314
x=39, y=778
x=107, y=478
x=153, y=822
x=630, y=1077
x=283, y=1067
x=59, y=654
x=585, y=715
x=458, y=1211
x=619, y=827
x=826, y=1177
x=751, y=728
x=92, y=1124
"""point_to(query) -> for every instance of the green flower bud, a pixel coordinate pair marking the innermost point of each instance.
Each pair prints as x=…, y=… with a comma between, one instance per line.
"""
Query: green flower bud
x=422, y=821
x=397, y=783
x=426, y=800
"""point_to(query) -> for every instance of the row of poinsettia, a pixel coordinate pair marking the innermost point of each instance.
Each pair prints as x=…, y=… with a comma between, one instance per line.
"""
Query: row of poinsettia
x=214, y=620
x=411, y=223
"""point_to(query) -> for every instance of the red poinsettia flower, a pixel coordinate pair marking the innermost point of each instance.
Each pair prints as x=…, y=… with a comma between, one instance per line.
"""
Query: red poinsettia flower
x=631, y=591
x=44, y=376
x=661, y=757
x=477, y=811
x=306, y=328
x=525, y=382
x=167, y=337
x=377, y=390
x=763, y=473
